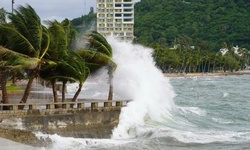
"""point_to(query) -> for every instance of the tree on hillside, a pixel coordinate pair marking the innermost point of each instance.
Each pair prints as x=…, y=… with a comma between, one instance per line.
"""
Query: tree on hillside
x=212, y=21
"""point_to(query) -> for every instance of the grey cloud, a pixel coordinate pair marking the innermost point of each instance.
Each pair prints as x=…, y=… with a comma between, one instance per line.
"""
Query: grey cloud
x=55, y=9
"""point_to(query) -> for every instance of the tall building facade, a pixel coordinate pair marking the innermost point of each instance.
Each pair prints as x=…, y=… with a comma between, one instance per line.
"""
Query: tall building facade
x=116, y=18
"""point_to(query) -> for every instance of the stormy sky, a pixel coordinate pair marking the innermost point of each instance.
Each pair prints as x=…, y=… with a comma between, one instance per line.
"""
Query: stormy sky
x=54, y=9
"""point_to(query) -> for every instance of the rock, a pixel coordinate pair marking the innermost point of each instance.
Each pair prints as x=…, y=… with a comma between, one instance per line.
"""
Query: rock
x=24, y=136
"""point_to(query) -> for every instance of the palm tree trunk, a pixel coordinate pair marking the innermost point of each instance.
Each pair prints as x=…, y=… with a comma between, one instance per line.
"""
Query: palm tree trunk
x=110, y=73
x=53, y=84
x=64, y=91
x=4, y=95
x=110, y=96
x=77, y=93
x=28, y=88
x=204, y=67
x=208, y=67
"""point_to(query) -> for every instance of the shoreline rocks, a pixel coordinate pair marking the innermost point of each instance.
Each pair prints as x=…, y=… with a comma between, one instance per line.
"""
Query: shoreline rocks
x=24, y=137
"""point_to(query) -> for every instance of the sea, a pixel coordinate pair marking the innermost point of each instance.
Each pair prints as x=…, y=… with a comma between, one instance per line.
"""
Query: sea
x=177, y=113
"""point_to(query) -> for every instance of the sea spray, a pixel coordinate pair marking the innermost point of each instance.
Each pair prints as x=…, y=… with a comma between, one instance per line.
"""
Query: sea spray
x=153, y=121
x=138, y=78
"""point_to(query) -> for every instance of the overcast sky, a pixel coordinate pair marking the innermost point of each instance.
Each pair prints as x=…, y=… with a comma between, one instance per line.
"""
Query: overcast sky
x=54, y=9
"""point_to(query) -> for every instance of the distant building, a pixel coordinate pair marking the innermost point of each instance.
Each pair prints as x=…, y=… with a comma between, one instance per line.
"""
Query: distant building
x=116, y=18
x=235, y=50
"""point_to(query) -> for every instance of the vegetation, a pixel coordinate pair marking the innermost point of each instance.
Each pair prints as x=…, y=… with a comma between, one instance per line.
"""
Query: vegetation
x=214, y=21
x=185, y=36
x=197, y=29
x=184, y=58
x=27, y=46
x=98, y=54
x=85, y=22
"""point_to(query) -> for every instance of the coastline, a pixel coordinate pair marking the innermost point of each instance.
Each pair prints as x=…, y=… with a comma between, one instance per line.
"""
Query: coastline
x=14, y=138
x=206, y=74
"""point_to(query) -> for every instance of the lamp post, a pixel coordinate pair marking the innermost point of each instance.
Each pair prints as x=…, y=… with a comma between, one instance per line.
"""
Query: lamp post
x=13, y=1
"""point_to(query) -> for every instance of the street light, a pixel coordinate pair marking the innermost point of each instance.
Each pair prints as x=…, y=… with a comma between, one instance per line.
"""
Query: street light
x=13, y=1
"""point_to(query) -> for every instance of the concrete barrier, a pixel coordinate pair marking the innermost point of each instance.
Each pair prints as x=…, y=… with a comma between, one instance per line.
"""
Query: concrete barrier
x=88, y=119
x=40, y=109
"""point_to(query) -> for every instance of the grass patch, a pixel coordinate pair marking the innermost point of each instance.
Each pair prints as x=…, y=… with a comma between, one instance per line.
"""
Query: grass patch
x=11, y=87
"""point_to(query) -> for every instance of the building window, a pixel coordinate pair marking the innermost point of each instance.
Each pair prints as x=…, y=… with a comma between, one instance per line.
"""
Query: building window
x=118, y=5
x=118, y=15
x=127, y=10
x=127, y=20
x=127, y=15
x=127, y=5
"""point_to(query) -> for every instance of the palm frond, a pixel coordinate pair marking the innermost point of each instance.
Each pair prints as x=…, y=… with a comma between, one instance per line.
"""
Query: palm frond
x=16, y=41
x=99, y=43
x=95, y=60
x=28, y=23
x=62, y=78
x=45, y=42
x=102, y=39
x=7, y=53
x=17, y=60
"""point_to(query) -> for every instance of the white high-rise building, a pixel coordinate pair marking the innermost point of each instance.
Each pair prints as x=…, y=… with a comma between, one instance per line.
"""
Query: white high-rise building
x=116, y=18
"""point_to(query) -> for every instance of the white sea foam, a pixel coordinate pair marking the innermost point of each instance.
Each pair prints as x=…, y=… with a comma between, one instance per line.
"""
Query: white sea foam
x=152, y=114
x=139, y=79
x=225, y=94
x=69, y=143
x=193, y=110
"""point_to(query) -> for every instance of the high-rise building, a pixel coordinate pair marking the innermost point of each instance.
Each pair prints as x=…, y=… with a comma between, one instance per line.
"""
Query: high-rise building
x=116, y=18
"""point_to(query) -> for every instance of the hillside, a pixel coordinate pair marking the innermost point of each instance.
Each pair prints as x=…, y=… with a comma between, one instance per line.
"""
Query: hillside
x=162, y=21
x=85, y=22
x=213, y=21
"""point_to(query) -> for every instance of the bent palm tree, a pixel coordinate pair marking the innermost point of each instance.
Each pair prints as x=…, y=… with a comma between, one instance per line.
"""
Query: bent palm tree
x=26, y=35
x=99, y=54
x=69, y=66
x=11, y=62
x=56, y=50
x=73, y=66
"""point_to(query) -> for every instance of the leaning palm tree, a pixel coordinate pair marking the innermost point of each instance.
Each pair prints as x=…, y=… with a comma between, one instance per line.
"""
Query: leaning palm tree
x=26, y=35
x=72, y=68
x=99, y=54
x=57, y=49
x=10, y=63
x=69, y=66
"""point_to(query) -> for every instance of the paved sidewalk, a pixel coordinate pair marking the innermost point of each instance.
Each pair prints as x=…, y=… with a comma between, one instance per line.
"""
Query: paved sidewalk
x=11, y=145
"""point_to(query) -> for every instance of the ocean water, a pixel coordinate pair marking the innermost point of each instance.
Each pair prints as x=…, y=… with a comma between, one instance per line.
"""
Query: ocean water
x=167, y=113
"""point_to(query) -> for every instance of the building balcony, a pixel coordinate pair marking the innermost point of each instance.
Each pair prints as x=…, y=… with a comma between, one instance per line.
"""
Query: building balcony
x=128, y=10
x=128, y=1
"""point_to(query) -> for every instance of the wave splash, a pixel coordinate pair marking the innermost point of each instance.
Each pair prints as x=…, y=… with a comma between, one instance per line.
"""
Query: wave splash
x=137, y=77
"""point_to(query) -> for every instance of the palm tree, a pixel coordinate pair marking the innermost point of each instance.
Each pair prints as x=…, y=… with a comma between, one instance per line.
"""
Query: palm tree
x=11, y=62
x=2, y=16
x=69, y=65
x=26, y=35
x=76, y=68
x=99, y=54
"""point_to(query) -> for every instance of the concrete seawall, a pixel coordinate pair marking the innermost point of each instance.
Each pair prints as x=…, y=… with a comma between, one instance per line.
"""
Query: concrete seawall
x=88, y=119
